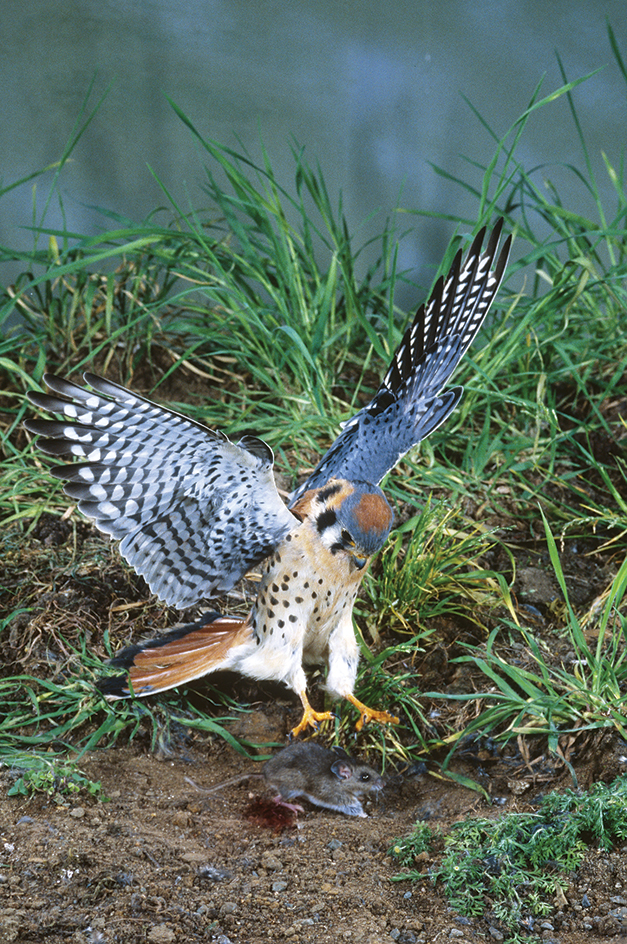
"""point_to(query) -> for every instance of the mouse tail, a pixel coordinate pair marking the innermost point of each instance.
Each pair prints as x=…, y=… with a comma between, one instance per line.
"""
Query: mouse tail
x=185, y=653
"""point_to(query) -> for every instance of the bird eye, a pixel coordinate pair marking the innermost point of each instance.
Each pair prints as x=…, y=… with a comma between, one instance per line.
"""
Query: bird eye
x=347, y=538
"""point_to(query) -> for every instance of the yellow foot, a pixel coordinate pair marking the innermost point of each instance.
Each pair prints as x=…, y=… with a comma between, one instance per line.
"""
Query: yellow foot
x=370, y=714
x=310, y=717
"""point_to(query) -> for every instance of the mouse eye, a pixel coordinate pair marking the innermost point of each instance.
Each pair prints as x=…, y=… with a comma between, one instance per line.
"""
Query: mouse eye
x=347, y=539
x=364, y=777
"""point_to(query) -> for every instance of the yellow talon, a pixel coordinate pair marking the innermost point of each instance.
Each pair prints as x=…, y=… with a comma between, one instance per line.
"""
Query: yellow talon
x=310, y=717
x=370, y=714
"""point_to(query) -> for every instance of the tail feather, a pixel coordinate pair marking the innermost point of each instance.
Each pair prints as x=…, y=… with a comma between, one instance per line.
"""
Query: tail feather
x=186, y=653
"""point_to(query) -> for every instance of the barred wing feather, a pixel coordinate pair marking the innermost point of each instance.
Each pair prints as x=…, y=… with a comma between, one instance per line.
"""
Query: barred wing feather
x=409, y=404
x=192, y=510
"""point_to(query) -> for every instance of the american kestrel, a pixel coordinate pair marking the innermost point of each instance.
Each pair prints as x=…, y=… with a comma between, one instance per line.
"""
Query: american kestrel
x=195, y=512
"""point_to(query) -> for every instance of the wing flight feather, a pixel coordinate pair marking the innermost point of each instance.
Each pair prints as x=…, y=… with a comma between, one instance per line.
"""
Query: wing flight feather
x=192, y=510
x=410, y=404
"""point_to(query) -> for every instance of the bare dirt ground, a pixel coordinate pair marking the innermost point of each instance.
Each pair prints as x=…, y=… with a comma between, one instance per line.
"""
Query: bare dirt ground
x=161, y=861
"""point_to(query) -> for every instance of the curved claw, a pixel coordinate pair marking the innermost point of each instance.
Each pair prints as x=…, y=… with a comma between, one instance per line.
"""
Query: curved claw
x=310, y=717
x=370, y=714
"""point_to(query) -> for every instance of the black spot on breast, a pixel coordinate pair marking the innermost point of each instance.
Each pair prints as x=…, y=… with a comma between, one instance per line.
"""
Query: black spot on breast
x=298, y=599
x=292, y=618
x=280, y=623
x=274, y=601
x=271, y=614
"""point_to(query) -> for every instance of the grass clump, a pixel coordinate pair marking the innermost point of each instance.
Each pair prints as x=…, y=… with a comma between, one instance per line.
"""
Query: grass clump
x=430, y=568
x=580, y=693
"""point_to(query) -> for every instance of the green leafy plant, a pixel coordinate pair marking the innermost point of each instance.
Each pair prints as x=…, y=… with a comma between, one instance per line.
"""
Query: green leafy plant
x=508, y=868
x=55, y=776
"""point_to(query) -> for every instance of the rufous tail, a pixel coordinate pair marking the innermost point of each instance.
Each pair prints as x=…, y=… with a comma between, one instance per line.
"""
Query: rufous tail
x=186, y=653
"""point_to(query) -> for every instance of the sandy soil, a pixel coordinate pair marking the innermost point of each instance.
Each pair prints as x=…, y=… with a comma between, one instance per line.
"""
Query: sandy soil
x=161, y=861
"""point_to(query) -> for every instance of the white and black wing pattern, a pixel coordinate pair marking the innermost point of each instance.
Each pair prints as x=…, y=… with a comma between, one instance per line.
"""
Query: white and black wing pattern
x=192, y=510
x=410, y=403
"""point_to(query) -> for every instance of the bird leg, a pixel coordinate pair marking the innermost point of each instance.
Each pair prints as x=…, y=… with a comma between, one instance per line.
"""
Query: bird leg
x=310, y=717
x=370, y=714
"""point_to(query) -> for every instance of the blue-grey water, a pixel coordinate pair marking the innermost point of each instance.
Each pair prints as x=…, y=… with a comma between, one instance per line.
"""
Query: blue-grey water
x=374, y=92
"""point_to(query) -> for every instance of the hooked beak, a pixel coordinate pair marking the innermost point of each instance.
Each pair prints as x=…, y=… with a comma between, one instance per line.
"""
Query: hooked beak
x=359, y=560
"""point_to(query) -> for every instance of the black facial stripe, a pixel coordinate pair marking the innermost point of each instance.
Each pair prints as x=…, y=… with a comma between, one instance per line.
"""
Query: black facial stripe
x=338, y=546
x=326, y=520
x=329, y=491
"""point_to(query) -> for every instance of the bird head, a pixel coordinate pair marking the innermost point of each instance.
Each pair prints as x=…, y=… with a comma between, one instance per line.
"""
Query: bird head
x=352, y=518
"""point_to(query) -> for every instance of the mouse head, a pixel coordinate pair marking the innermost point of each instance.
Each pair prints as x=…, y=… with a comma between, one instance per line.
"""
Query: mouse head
x=346, y=770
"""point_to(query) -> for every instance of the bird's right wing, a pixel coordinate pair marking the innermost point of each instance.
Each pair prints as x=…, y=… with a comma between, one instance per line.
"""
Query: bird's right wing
x=192, y=510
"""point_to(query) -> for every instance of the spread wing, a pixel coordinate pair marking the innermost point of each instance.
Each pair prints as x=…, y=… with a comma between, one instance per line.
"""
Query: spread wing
x=192, y=510
x=410, y=404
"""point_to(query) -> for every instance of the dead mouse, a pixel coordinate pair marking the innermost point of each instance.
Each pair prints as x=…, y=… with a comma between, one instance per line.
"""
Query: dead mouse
x=328, y=778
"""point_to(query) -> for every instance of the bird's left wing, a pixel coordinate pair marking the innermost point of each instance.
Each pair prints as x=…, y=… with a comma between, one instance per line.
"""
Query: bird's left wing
x=192, y=510
x=410, y=403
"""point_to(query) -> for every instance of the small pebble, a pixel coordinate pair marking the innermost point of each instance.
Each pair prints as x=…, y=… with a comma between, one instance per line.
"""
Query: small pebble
x=161, y=934
x=213, y=874
x=271, y=863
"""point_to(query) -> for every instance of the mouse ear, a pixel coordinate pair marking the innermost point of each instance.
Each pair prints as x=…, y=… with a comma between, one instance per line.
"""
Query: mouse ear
x=342, y=770
x=341, y=752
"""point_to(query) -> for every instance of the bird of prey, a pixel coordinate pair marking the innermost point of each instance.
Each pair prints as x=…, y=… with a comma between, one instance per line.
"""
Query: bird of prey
x=194, y=512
